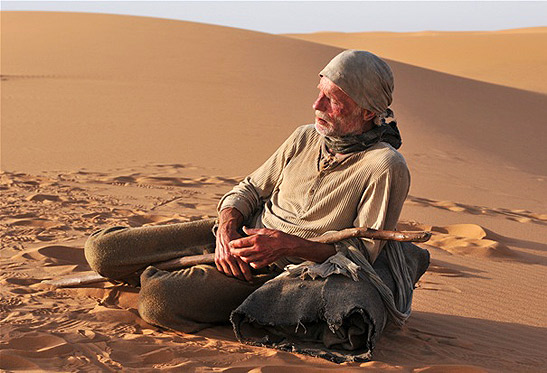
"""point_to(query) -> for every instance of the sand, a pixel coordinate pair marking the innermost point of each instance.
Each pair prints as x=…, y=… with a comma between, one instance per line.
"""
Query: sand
x=110, y=120
x=512, y=58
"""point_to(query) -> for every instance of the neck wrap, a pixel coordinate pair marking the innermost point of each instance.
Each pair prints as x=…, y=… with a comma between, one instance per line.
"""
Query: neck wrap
x=387, y=131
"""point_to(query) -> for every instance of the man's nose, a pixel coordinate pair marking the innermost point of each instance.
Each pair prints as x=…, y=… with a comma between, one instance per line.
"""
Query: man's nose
x=320, y=103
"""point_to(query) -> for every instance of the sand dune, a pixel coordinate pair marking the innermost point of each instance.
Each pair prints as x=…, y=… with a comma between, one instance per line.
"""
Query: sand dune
x=80, y=104
x=175, y=83
x=139, y=121
x=512, y=58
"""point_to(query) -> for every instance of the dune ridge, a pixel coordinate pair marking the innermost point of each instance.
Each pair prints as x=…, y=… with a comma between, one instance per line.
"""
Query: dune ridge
x=510, y=58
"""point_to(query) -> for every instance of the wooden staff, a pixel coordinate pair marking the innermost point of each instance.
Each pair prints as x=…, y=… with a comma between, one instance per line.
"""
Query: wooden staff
x=188, y=261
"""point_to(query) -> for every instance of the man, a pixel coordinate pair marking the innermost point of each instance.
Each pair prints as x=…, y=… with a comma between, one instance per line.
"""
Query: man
x=341, y=172
x=347, y=188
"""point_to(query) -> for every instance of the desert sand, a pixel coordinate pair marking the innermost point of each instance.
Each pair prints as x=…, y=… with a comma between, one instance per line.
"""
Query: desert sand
x=118, y=120
x=512, y=58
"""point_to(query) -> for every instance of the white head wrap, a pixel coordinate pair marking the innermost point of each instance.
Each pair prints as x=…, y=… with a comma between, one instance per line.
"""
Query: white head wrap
x=364, y=77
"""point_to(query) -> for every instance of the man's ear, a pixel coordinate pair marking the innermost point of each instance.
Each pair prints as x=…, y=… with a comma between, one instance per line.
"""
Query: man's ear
x=368, y=115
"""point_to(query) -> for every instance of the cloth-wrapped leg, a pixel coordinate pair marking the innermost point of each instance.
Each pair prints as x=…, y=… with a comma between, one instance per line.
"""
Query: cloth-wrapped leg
x=335, y=317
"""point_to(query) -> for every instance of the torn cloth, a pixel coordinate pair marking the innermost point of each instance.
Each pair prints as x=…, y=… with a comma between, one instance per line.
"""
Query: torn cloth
x=334, y=317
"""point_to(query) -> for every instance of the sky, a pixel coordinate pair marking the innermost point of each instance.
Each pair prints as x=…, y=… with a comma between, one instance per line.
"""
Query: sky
x=311, y=16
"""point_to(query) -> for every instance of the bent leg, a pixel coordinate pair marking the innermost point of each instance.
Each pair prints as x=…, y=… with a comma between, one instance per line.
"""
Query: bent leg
x=118, y=252
x=194, y=298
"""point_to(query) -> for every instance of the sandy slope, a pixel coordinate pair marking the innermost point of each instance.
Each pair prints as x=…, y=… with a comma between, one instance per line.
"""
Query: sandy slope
x=139, y=88
x=513, y=58
x=126, y=120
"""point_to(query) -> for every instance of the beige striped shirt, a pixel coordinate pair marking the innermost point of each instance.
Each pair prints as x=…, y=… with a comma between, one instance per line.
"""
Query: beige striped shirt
x=303, y=190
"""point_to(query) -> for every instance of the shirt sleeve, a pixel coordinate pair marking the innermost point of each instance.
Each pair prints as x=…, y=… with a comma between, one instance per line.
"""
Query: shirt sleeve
x=381, y=205
x=250, y=194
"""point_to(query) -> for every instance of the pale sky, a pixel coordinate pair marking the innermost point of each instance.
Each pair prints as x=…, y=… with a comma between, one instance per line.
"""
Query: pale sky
x=310, y=16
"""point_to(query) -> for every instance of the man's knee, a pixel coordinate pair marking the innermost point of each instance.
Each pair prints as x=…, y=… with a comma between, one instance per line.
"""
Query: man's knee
x=190, y=299
x=154, y=305
x=163, y=303
x=99, y=251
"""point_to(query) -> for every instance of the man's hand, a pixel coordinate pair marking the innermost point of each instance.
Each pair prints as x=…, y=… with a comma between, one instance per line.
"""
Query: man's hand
x=229, y=221
x=265, y=246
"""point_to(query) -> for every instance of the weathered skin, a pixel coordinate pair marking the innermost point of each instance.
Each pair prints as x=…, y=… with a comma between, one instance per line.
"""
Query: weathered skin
x=230, y=220
x=336, y=114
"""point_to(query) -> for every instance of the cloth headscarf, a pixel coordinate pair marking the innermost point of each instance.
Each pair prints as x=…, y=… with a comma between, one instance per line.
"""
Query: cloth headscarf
x=364, y=77
x=368, y=80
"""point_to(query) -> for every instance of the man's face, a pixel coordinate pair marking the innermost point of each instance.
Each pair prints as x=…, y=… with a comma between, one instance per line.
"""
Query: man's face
x=336, y=114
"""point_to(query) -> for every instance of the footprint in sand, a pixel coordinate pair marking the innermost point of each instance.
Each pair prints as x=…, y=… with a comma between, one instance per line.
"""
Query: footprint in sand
x=55, y=255
x=68, y=254
x=39, y=197
x=218, y=180
x=151, y=219
x=444, y=271
x=21, y=281
x=8, y=303
x=36, y=222
x=39, y=345
x=431, y=285
x=187, y=205
x=519, y=215
x=164, y=180
x=171, y=166
x=23, y=215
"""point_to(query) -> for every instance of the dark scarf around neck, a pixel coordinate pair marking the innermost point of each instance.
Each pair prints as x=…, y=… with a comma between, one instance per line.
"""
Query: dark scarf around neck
x=386, y=132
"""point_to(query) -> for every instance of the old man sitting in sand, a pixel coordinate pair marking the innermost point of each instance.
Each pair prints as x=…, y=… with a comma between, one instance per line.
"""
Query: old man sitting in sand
x=276, y=286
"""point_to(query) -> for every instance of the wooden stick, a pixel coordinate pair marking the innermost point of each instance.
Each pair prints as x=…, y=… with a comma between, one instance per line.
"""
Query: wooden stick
x=86, y=278
x=92, y=277
x=402, y=236
x=188, y=261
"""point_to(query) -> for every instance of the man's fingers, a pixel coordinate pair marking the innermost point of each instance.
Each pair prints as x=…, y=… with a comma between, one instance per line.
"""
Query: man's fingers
x=219, y=267
x=259, y=264
x=234, y=267
x=242, y=242
x=218, y=261
x=246, y=270
x=224, y=268
x=244, y=252
x=222, y=264
x=252, y=259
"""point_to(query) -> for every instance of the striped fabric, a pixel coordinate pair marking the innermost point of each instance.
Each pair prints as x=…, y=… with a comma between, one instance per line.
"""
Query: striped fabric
x=303, y=190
